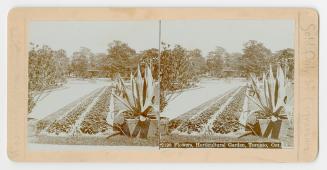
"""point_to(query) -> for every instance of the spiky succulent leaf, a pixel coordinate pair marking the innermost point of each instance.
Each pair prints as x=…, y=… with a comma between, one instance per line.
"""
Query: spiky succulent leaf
x=272, y=98
x=142, y=91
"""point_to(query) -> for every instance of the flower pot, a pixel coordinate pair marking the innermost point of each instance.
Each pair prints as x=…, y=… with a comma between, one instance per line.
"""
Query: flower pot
x=274, y=129
x=143, y=129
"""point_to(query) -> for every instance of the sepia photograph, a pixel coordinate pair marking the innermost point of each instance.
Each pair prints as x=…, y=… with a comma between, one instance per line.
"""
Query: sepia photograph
x=227, y=84
x=93, y=84
x=161, y=84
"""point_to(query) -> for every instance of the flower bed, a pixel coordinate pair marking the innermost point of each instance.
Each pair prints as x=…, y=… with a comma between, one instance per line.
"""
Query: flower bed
x=175, y=123
x=95, y=120
x=65, y=124
x=197, y=123
x=42, y=124
x=227, y=121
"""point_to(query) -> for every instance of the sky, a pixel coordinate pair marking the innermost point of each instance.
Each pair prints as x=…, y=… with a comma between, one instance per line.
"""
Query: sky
x=141, y=35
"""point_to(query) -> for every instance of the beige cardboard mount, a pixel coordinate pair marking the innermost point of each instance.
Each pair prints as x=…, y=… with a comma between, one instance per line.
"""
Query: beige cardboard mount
x=305, y=89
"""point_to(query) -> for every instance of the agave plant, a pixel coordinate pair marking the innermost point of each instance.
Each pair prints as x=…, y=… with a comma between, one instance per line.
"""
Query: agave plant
x=271, y=98
x=140, y=99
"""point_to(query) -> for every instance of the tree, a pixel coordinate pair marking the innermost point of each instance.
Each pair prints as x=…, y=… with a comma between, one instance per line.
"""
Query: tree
x=150, y=57
x=119, y=55
x=81, y=62
x=215, y=61
x=255, y=58
x=233, y=63
x=94, y=62
x=103, y=63
x=41, y=68
x=46, y=69
x=62, y=65
x=285, y=58
x=175, y=73
x=197, y=61
x=98, y=62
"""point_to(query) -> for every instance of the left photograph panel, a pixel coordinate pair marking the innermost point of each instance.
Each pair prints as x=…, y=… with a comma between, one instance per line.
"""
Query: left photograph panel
x=93, y=85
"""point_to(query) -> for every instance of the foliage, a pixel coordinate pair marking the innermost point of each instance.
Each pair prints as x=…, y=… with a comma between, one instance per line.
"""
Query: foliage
x=80, y=62
x=197, y=123
x=119, y=56
x=61, y=64
x=140, y=99
x=285, y=58
x=197, y=62
x=47, y=69
x=31, y=103
x=215, y=60
x=96, y=120
x=272, y=97
x=228, y=120
x=120, y=59
x=233, y=63
x=42, y=71
x=150, y=57
x=255, y=58
x=65, y=124
x=175, y=73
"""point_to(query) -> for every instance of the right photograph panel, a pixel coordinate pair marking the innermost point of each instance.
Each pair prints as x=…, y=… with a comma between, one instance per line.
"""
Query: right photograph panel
x=227, y=84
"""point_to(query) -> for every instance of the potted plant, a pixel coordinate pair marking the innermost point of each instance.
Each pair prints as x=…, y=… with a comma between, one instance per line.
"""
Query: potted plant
x=140, y=113
x=271, y=99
